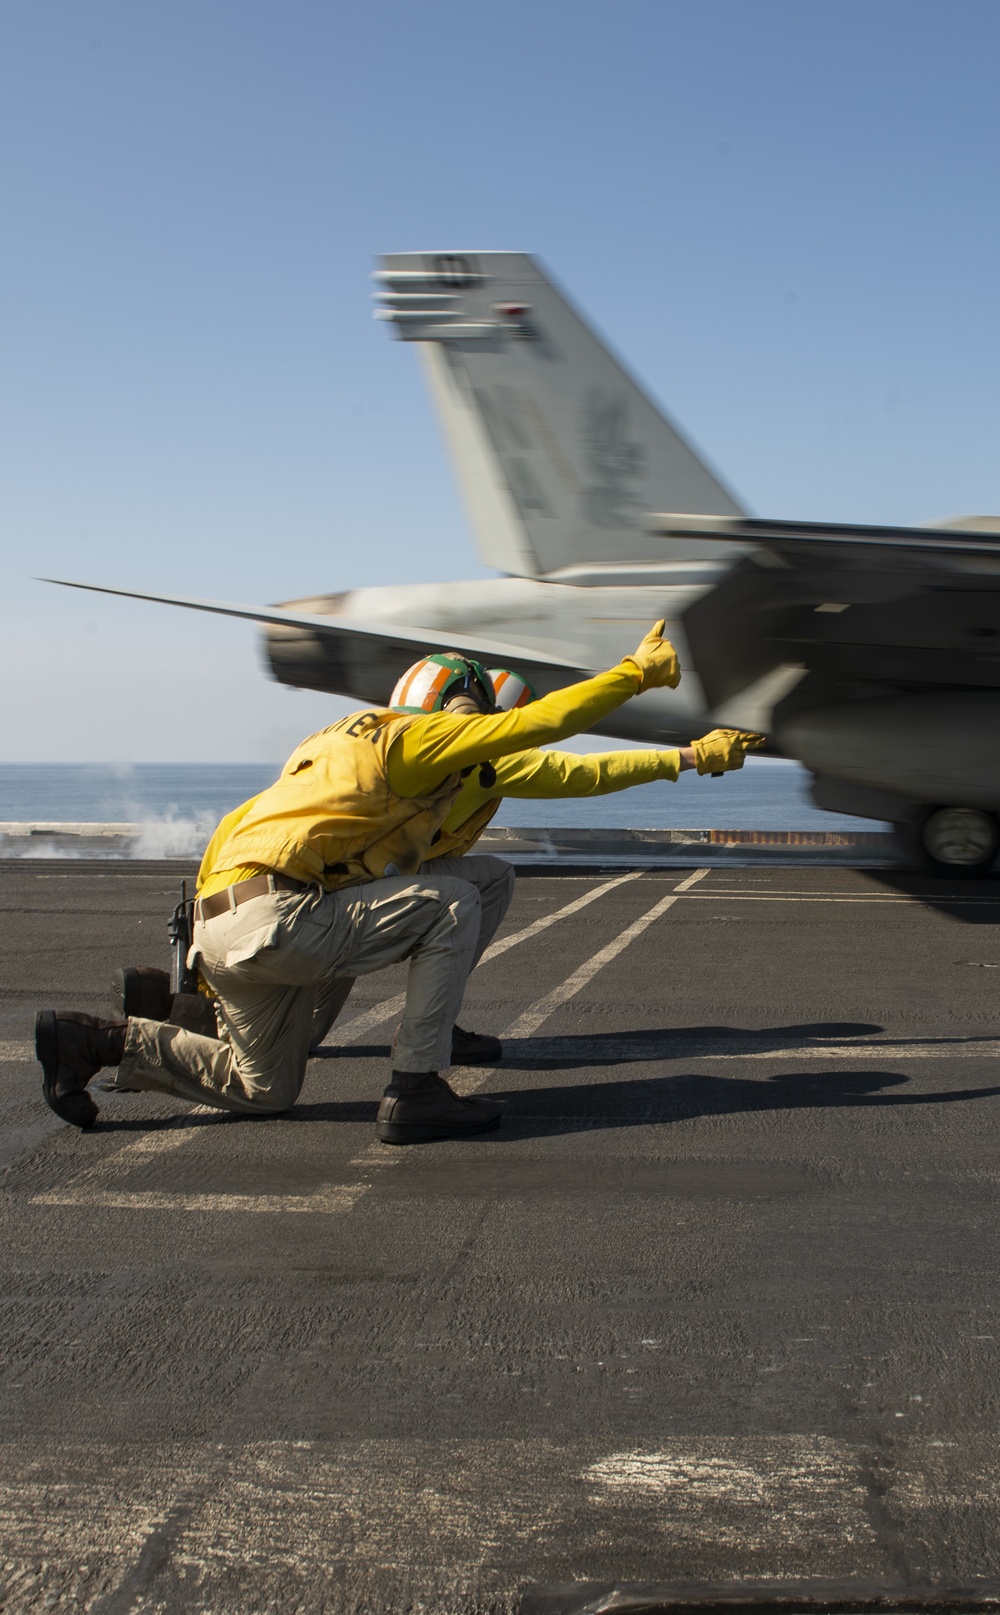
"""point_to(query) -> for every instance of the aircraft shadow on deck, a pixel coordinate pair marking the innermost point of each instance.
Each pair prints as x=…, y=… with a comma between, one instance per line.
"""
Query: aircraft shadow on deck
x=660, y=1101
x=945, y=894
x=620, y=1047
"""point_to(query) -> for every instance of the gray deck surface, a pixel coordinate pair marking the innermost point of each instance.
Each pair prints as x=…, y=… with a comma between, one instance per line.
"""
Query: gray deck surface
x=718, y=1300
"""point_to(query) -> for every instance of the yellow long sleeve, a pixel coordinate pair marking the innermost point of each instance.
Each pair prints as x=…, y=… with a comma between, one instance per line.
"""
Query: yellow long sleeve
x=563, y=773
x=443, y=743
x=545, y=775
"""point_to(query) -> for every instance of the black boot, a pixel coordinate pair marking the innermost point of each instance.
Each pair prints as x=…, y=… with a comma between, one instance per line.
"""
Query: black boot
x=474, y=1048
x=141, y=990
x=71, y=1049
x=419, y=1105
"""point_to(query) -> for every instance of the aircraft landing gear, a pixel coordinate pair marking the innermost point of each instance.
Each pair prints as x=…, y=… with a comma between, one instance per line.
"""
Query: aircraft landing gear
x=955, y=841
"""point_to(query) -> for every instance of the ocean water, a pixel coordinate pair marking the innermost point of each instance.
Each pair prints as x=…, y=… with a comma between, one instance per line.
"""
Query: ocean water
x=180, y=803
x=177, y=804
x=134, y=793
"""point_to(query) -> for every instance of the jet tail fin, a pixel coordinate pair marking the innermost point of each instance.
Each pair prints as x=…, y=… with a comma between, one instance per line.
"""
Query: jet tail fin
x=558, y=451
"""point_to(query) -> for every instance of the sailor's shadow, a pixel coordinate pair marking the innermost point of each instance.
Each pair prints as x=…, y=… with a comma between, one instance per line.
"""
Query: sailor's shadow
x=351, y=1051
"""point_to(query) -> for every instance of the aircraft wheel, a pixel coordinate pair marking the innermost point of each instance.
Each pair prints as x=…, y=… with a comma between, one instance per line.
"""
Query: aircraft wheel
x=960, y=842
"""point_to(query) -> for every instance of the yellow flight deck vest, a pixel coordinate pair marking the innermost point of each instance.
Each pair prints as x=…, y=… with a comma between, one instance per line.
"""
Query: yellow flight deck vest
x=454, y=841
x=331, y=815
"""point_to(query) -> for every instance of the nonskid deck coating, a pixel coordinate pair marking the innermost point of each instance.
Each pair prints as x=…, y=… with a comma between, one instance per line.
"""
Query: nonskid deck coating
x=719, y=1300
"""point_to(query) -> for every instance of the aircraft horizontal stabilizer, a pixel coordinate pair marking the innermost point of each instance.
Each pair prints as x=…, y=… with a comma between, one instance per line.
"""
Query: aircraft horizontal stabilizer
x=930, y=541
x=350, y=656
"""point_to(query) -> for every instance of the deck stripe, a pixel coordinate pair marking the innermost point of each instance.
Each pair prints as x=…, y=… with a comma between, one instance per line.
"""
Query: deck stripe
x=347, y=1032
x=334, y=1197
x=542, y=1008
x=753, y=1047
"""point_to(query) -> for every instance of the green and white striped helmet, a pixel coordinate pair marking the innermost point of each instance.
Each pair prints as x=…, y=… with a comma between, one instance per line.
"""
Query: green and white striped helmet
x=428, y=684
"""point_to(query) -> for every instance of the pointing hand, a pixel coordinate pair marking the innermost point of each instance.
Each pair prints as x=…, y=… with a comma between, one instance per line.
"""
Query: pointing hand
x=724, y=749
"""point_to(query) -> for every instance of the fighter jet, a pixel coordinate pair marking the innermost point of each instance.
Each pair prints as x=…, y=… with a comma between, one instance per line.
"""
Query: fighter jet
x=870, y=654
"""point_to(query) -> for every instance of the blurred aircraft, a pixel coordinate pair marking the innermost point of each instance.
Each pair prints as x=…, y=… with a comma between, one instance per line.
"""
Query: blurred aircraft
x=870, y=654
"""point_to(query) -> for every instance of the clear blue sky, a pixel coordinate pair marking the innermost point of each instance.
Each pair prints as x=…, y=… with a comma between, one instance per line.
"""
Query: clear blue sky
x=784, y=213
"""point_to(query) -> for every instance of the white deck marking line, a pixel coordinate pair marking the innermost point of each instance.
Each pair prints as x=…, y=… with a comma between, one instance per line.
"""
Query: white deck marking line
x=542, y=1008
x=733, y=897
x=692, y=880
x=86, y=1188
x=985, y=1048
x=505, y=942
x=335, y=1197
x=826, y=892
x=346, y=1032
x=466, y=1081
x=637, y=1049
x=16, y=1053
x=805, y=892
x=376, y=1155
x=81, y=1189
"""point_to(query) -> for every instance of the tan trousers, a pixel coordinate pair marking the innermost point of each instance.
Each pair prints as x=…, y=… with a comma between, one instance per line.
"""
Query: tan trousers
x=493, y=879
x=264, y=961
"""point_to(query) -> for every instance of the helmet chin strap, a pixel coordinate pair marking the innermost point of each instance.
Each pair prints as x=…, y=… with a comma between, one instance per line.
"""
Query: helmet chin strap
x=464, y=703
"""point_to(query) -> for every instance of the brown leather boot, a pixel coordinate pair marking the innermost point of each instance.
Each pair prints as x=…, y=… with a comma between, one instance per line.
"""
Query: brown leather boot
x=72, y=1048
x=144, y=991
x=141, y=990
x=419, y=1105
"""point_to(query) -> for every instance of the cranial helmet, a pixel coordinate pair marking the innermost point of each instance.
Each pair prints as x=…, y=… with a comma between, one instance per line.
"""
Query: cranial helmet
x=428, y=684
x=511, y=689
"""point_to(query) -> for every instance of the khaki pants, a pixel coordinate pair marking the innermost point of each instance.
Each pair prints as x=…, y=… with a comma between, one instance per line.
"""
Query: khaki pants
x=264, y=961
x=493, y=879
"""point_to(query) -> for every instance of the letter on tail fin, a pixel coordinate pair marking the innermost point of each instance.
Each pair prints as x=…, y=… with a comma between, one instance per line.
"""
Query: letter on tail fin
x=559, y=453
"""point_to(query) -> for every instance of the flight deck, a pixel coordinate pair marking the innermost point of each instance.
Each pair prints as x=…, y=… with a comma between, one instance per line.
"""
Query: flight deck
x=720, y=1299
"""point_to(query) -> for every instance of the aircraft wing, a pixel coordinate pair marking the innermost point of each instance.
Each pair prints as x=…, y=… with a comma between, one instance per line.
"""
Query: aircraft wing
x=355, y=657
x=853, y=606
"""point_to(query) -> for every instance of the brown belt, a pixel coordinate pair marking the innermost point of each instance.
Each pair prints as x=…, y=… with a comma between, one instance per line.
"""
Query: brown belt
x=206, y=908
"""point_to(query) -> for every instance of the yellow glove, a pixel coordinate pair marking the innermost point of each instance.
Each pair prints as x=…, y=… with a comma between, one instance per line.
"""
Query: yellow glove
x=724, y=749
x=656, y=660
